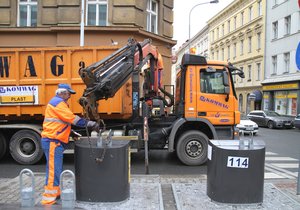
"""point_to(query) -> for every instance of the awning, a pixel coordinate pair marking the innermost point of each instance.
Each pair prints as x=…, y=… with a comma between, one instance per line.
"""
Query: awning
x=258, y=95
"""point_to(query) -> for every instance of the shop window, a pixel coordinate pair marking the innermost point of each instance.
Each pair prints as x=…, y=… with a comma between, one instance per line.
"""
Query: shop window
x=152, y=8
x=96, y=12
x=27, y=13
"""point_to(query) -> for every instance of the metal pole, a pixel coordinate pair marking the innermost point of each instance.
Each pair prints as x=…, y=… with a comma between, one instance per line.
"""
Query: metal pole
x=82, y=24
x=298, y=184
x=209, y=2
x=146, y=136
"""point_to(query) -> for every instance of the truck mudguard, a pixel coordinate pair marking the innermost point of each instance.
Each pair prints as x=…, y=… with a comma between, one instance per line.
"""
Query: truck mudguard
x=178, y=123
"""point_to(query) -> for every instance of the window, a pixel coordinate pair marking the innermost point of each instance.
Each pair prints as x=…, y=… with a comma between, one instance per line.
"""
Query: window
x=228, y=26
x=234, y=23
x=212, y=55
x=217, y=54
x=212, y=36
x=258, y=69
x=97, y=12
x=241, y=47
x=234, y=50
x=287, y=25
x=286, y=62
x=242, y=18
x=249, y=44
x=27, y=13
x=241, y=79
x=274, y=64
x=222, y=54
x=228, y=52
x=212, y=82
x=241, y=103
x=259, y=6
x=258, y=41
x=275, y=30
x=250, y=14
x=218, y=33
x=223, y=30
x=249, y=72
x=152, y=8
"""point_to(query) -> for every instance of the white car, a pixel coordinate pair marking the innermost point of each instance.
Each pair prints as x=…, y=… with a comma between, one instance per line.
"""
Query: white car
x=246, y=125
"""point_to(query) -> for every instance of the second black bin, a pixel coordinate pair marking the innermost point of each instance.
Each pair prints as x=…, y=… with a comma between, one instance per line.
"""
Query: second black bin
x=235, y=175
x=106, y=181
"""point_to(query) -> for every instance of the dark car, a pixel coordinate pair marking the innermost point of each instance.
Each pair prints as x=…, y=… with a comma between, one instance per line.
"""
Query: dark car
x=297, y=121
x=271, y=119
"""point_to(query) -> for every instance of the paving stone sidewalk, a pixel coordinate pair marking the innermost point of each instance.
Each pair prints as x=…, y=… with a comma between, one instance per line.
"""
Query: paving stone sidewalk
x=164, y=192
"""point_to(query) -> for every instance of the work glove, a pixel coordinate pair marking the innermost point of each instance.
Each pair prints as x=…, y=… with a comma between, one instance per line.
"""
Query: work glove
x=93, y=125
x=75, y=136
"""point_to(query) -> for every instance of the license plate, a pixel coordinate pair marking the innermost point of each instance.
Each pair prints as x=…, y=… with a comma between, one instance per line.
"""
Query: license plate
x=287, y=124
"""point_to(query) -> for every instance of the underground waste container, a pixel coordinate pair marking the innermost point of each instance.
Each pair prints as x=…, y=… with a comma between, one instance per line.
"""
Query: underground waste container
x=235, y=174
x=106, y=180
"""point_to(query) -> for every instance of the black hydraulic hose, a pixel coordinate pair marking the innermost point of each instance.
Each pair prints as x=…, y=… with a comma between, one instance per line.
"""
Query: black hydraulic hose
x=169, y=96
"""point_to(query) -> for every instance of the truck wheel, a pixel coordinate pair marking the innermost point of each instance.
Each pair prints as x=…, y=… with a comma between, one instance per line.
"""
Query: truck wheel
x=25, y=147
x=191, y=148
x=3, y=145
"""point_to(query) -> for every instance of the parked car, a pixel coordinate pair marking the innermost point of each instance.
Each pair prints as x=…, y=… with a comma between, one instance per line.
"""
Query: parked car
x=297, y=121
x=271, y=119
x=246, y=125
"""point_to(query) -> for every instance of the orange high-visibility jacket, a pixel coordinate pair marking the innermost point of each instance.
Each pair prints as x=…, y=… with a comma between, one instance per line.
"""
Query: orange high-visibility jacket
x=58, y=120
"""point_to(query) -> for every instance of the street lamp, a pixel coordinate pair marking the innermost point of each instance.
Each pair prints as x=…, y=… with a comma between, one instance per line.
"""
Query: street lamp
x=209, y=2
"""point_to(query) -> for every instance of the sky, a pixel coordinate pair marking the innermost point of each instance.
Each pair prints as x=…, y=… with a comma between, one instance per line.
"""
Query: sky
x=199, y=17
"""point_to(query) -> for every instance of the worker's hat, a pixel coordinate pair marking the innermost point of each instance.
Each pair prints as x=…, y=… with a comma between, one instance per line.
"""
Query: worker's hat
x=67, y=87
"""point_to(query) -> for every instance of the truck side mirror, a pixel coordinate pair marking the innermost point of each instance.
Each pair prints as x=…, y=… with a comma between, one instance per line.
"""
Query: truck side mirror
x=225, y=79
x=227, y=90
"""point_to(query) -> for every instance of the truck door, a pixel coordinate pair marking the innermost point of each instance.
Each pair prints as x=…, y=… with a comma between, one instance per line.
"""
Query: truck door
x=215, y=99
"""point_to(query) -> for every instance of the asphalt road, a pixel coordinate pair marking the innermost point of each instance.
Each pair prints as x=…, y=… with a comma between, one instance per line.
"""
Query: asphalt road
x=282, y=142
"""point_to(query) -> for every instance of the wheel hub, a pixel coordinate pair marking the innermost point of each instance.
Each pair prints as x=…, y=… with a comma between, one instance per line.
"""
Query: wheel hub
x=194, y=148
x=27, y=147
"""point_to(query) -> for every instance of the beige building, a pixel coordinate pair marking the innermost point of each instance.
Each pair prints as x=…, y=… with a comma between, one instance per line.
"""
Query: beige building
x=48, y=23
x=237, y=35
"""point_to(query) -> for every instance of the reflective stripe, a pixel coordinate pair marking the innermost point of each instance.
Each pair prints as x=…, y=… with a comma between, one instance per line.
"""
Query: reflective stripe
x=48, y=198
x=56, y=120
x=77, y=118
x=51, y=191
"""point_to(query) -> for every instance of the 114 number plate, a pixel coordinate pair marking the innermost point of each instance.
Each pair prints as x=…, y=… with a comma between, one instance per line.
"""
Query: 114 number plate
x=237, y=162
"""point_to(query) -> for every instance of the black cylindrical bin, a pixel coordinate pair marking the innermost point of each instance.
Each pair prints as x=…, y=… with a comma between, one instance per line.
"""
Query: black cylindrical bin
x=107, y=181
x=235, y=175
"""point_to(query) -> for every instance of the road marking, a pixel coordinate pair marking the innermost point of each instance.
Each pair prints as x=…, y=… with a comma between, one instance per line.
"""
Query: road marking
x=271, y=175
x=280, y=159
x=280, y=171
x=271, y=153
x=285, y=165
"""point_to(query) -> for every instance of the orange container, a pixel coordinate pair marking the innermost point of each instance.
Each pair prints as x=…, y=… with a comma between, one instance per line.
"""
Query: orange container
x=29, y=78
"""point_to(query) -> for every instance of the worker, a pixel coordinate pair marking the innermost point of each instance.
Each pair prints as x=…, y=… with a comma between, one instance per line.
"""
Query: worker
x=55, y=135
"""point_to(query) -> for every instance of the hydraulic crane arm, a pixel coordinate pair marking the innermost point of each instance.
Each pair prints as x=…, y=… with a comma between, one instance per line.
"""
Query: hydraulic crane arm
x=104, y=78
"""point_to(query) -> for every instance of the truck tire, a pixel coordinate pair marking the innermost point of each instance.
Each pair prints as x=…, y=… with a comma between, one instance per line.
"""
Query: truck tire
x=3, y=146
x=25, y=147
x=191, y=148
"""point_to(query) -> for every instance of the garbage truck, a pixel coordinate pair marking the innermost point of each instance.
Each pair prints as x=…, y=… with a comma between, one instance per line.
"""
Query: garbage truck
x=122, y=89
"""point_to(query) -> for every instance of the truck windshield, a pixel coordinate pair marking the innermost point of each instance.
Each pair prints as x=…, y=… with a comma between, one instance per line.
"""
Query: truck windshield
x=212, y=82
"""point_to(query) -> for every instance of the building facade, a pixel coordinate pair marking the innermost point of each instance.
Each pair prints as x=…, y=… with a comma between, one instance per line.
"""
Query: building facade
x=237, y=35
x=281, y=86
x=56, y=23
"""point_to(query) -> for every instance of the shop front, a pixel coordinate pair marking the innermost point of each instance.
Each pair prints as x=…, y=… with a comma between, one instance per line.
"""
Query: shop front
x=282, y=98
